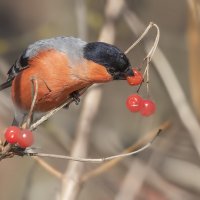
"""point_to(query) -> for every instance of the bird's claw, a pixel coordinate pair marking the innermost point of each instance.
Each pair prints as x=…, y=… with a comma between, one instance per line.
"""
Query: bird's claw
x=76, y=97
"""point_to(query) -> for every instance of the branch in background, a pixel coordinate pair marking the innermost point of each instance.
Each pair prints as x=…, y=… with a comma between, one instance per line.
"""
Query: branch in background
x=71, y=186
x=81, y=10
x=171, y=83
x=193, y=41
x=71, y=182
x=140, y=173
x=130, y=183
x=194, y=7
x=170, y=190
x=173, y=169
x=133, y=180
x=100, y=160
x=109, y=165
x=112, y=12
x=5, y=101
x=48, y=167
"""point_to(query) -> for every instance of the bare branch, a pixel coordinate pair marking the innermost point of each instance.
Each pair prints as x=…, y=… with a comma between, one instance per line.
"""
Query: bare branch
x=108, y=165
x=96, y=160
x=49, y=114
x=132, y=183
x=48, y=167
x=81, y=13
x=71, y=181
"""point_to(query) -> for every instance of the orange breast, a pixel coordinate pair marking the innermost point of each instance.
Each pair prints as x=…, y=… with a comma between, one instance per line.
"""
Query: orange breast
x=56, y=80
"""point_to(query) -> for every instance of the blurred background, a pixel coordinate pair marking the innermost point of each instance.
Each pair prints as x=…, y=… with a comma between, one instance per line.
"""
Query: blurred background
x=170, y=168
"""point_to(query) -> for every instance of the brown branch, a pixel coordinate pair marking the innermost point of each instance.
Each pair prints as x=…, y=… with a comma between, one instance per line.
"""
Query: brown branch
x=97, y=160
x=71, y=186
x=81, y=13
x=51, y=113
x=48, y=167
x=193, y=43
x=132, y=184
x=71, y=182
x=107, y=166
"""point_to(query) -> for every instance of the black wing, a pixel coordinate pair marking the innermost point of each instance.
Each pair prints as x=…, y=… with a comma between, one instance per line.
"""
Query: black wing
x=20, y=64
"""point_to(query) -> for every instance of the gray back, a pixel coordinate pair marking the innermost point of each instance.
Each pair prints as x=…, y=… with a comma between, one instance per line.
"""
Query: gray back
x=73, y=47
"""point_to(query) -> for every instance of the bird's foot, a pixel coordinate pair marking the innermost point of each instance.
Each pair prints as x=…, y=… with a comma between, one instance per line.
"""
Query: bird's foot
x=76, y=97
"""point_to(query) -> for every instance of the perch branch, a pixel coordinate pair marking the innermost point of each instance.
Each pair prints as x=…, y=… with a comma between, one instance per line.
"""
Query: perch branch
x=49, y=114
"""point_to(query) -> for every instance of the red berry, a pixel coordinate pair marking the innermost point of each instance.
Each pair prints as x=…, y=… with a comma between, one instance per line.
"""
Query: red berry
x=136, y=79
x=134, y=102
x=148, y=108
x=12, y=134
x=25, y=138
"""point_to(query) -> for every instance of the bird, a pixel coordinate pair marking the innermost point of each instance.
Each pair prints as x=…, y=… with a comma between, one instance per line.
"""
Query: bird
x=62, y=66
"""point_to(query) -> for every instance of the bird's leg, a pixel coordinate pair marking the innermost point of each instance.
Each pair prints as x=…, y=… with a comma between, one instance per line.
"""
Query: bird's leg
x=76, y=97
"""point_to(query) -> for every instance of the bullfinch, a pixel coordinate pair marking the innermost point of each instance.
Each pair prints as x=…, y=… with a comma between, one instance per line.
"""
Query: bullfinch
x=62, y=66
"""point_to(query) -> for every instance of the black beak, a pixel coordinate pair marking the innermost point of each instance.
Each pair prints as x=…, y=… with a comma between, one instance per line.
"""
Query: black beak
x=129, y=72
x=123, y=75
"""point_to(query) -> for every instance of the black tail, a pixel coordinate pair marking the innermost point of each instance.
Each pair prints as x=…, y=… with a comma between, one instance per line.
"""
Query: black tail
x=5, y=85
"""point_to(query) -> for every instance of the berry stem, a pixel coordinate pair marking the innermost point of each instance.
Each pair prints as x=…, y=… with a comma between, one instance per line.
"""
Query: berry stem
x=150, y=54
x=139, y=87
x=147, y=80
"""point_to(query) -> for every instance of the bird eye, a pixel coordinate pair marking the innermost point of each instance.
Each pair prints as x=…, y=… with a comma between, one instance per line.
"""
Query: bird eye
x=122, y=56
x=111, y=70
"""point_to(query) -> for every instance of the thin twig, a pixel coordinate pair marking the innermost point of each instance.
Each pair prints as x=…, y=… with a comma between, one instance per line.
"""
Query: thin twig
x=155, y=45
x=5, y=151
x=152, y=50
x=110, y=164
x=93, y=160
x=140, y=38
x=34, y=97
x=150, y=54
x=48, y=167
x=51, y=113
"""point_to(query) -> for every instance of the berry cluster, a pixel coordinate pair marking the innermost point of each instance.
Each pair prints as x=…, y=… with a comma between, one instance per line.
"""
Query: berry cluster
x=22, y=137
x=135, y=103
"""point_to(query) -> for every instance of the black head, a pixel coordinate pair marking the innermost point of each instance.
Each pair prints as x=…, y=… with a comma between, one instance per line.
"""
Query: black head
x=113, y=59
